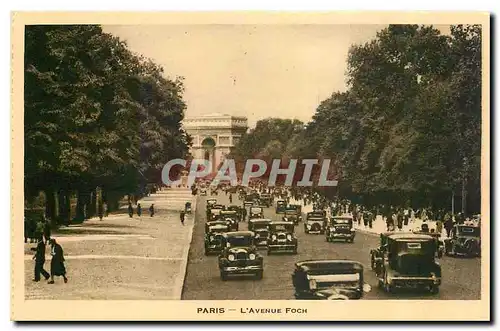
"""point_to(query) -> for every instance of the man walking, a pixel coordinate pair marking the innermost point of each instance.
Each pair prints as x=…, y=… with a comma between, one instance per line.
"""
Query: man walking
x=139, y=210
x=183, y=216
x=39, y=258
x=57, y=267
x=152, y=210
x=130, y=209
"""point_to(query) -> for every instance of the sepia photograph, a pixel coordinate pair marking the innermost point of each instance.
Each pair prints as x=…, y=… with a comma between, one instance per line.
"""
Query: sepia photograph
x=239, y=166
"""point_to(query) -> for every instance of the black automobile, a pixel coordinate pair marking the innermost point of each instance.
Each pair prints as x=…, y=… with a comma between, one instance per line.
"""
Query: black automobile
x=329, y=280
x=266, y=199
x=439, y=241
x=213, y=236
x=465, y=240
x=256, y=212
x=282, y=238
x=237, y=209
x=293, y=213
x=260, y=226
x=280, y=206
x=240, y=256
x=210, y=203
x=231, y=217
x=408, y=261
x=340, y=228
x=315, y=222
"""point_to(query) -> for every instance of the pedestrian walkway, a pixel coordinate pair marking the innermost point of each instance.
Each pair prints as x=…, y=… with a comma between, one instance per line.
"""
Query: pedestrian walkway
x=120, y=258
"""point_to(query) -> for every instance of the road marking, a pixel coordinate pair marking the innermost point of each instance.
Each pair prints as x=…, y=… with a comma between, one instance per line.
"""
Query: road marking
x=103, y=257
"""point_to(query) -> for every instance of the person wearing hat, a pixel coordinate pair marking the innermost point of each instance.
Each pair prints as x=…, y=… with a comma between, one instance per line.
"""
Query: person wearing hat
x=152, y=210
x=139, y=210
x=57, y=267
x=183, y=216
x=39, y=258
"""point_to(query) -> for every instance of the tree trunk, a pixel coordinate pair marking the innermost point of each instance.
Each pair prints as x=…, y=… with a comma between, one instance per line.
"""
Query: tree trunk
x=80, y=206
x=63, y=214
x=50, y=204
x=93, y=204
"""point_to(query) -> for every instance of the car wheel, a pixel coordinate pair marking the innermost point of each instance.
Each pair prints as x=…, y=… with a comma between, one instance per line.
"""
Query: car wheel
x=434, y=289
x=268, y=251
x=295, y=251
x=206, y=253
x=372, y=262
x=259, y=275
x=223, y=276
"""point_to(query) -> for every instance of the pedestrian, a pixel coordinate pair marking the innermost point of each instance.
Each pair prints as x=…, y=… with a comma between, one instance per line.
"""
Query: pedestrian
x=406, y=217
x=152, y=210
x=230, y=198
x=425, y=226
x=439, y=226
x=57, y=267
x=39, y=258
x=183, y=216
x=400, y=220
x=100, y=210
x=130, y=209
x=106, y=209
x=47, y=231
x=139, y=210
x=244, y=214
x=448, y=225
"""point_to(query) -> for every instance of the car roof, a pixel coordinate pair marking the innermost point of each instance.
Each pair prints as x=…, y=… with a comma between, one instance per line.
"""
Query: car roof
x=260, y=220
x=342, y=217
x=319, y=264
x=282, y=222
x=402, y=236
x=238, y=234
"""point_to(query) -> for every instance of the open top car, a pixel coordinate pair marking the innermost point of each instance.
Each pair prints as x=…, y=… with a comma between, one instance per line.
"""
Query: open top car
x=329, y=280
x=340, y=228
x=260, y=226
x=315, y=222
x=240, y=256
x=280, y=206
x=256, y=212
x=409, y=262
x=213, y=236
x=230, y=216
x=282, y=238
x=293, y=213
x=464, y=240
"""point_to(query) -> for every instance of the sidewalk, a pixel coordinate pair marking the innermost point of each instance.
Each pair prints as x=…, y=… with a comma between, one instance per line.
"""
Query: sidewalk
x=378, y=226
x=119, y=258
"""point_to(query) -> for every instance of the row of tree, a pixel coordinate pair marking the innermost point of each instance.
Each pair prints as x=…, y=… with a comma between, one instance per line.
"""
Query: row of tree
x=100, y=121
x=407, y=130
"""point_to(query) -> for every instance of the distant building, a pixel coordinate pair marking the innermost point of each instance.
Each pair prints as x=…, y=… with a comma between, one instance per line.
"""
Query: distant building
x=214, y=135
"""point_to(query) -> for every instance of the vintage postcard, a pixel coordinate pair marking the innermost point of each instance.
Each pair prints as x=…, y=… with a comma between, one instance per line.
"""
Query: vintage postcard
x=244, y=166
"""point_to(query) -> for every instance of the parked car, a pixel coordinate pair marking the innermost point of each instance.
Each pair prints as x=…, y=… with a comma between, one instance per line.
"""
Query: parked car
x=282, y=238
x=293, y=213
x=315, y=222
x=280, y=206
x=260, y=226
x=256, y=212
x=340, y=228
x=213, y=236
x=240, y=256
x=329, y=280
x=408, y=261
x=464, y=240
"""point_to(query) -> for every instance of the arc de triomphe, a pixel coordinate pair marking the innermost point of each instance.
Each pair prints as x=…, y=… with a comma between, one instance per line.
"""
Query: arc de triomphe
x=214, y=135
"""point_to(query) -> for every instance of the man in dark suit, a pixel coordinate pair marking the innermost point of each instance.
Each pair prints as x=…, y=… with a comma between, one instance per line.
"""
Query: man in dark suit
x=39, y=258
x=57, y=267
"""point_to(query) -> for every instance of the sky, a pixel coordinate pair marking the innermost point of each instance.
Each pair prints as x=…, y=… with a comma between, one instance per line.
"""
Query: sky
x=257, y=71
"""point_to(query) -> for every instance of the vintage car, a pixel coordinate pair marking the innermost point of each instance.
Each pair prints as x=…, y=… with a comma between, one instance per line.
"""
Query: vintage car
x=211, y=203
x=315, y=222
x=293, y=213
x=213, y=236
x=266, y=199
x=230, y=216
x=282, y=238
x=408, y=261
x=329, y=280
x=280, y=206
x=240, y=256
x=377, y=254
x=256, y=212
x=340, y=228
x=213, y=214
x=203, y=191
x=237, y=209
x=439, y=242
x=259, y=226
x=464, y=240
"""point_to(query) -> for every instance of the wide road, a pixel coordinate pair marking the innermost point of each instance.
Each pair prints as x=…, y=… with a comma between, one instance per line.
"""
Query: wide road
x=461, y=276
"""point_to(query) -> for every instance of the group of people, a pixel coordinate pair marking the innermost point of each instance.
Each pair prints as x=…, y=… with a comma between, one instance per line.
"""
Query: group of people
x=57, y=267
x=139, y=210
